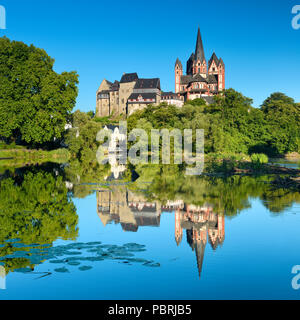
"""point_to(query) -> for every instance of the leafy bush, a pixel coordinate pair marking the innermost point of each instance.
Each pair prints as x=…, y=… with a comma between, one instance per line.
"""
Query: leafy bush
x=258, y=159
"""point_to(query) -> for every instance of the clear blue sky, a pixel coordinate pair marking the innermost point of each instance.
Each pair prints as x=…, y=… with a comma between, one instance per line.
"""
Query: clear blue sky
x=103, y=39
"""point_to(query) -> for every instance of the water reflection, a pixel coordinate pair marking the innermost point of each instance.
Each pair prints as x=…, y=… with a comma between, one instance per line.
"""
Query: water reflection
x=37, y=208
x=132, y=211
x=201, y=223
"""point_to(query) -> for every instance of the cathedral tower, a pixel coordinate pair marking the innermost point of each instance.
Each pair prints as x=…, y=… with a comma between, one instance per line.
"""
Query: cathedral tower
x=178, y=228
x=200, y=66
x=178, y=74
x=203, y=79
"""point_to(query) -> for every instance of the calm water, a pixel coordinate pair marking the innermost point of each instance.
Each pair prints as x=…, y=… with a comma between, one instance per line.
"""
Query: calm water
x=287, y=163
x=153, y=234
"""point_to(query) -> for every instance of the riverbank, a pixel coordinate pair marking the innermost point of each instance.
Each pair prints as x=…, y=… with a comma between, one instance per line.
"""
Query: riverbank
x=292, y=183
x=247, y=167
x=23, y=157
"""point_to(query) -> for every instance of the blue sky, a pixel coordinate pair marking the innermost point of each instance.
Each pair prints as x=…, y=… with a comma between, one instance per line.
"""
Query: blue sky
x=103, y=39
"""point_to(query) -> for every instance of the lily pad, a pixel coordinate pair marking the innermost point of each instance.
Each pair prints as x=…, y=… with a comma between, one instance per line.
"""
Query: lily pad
x=85, y=268
x=57, y=261
x=73, y=263
x=23, y=270
x=61, y=270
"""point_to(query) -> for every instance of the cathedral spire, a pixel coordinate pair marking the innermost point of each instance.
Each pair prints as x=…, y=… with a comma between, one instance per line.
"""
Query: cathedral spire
x=200, y=248
x=199, y=53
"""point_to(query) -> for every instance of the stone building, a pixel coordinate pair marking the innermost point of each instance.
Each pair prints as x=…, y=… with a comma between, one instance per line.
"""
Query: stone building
x=126, y=96
x=203, y=78
x=145, y=91
x=172, y=98
x=127, y=84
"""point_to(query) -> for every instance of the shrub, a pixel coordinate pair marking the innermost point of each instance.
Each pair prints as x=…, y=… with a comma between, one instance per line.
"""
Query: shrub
x=259, y=158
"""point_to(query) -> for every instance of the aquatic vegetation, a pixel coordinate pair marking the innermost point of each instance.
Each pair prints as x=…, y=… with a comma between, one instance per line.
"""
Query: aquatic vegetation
x=24, y=258
x=62, y=270
x=85, y=268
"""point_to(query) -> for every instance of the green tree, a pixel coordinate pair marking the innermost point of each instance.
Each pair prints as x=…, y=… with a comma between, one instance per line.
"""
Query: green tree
x=35, y=101
x=283, y=119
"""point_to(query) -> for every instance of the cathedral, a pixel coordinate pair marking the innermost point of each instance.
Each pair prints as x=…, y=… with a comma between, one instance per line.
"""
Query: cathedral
x=203, y=79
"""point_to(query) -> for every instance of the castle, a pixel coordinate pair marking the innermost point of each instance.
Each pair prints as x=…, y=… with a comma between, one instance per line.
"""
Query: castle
x=126, y=96
x=202, y=80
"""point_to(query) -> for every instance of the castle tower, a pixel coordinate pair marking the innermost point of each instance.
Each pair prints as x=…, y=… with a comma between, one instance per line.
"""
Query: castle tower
x=178, y=74
x=200, y=66
x=178, y=228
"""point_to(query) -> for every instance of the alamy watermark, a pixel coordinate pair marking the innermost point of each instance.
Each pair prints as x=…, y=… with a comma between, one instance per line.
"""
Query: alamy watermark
x=296, y=18
x=115, y=144
x=2, y=17
x=296, y=278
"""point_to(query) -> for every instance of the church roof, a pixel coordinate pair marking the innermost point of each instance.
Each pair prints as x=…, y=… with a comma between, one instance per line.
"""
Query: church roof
x=186, y=79
x=213, y=58
x=199, y=52
x=129, y=77
x=198, y=78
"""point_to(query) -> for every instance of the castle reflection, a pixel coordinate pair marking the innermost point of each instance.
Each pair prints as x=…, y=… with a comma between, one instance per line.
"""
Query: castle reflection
x=201, y=223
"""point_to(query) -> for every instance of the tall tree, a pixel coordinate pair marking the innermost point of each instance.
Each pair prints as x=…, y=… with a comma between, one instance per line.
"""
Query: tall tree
x=283, y=118
x=35, y=101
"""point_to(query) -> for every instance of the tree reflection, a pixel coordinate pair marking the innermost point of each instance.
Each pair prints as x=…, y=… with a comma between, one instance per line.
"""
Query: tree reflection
x=35, y=208
x=228, y=195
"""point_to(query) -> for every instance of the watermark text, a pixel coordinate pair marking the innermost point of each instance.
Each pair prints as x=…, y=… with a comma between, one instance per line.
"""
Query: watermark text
x=296, y=18
x=2, y=17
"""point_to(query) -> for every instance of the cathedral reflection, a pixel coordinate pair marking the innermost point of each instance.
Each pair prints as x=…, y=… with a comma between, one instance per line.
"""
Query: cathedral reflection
x=133, y=211
x=201, y=224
